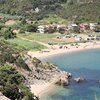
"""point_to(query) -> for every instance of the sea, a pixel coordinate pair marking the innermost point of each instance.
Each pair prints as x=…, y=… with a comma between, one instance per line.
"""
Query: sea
x=85, y=64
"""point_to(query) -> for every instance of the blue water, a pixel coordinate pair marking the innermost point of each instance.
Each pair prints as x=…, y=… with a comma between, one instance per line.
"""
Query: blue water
x=84, y=64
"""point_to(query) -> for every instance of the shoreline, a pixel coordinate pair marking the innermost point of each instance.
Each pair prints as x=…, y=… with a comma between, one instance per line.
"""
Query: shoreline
x=41, y=88
x=53, y=52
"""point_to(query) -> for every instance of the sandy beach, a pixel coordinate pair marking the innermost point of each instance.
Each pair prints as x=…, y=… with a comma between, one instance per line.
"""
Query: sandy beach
x=57, y=51
x=41, y=87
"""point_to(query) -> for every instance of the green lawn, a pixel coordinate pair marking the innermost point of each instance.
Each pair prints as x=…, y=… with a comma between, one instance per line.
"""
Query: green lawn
x=45, y=38
x=40, y=37
x=24, y=44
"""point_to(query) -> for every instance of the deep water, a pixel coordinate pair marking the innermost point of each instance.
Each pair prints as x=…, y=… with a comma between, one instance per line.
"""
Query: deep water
x=85, y=64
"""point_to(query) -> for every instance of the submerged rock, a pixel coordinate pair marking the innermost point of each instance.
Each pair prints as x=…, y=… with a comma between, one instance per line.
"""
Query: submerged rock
x=79, y=79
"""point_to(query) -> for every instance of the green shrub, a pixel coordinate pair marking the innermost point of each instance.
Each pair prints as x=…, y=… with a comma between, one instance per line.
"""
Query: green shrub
x=11, y=84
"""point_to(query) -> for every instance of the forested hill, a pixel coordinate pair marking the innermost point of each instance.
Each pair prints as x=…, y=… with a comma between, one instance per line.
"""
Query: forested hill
x=80, y=10
x=25, y=7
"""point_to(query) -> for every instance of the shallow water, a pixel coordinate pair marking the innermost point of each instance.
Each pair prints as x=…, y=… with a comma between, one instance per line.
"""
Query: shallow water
x=84, y=64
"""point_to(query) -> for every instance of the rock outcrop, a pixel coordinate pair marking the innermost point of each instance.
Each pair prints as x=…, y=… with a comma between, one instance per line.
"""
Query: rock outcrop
x=46, y=71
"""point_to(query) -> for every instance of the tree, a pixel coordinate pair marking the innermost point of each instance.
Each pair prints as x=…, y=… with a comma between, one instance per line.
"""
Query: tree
x=9, y=81
x=11, y=84
x=8, y=33
x=31, y=28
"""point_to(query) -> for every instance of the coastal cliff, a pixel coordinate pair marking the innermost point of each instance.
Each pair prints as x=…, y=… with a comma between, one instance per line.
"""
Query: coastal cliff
x=45, y=71
x=26, y=72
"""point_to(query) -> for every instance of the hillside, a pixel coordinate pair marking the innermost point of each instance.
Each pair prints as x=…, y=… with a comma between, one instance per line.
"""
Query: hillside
x=77, y=10
x=18, y=71
x=12, y=80
x=82, y=11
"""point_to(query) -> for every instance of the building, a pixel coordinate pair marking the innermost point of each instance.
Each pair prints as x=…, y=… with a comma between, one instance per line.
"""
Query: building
x=51, y=28
x=41, y=29
x=61, y=28
x=73, y=27
x=84, y=26
x=93, y=25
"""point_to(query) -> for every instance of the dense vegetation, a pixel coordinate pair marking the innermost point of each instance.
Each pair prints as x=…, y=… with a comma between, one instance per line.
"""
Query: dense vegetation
x=11, y=84
x=82, y=12
x=77, y=10
x=8, y=32
x=11, y=55
x=24, y=7
x=11, y=81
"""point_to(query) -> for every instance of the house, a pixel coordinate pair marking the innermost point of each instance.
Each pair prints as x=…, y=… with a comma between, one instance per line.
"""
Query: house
x=84, y=26
x=41, y=29
x=61, y=28
x=95, y=27
x=51, y=28
x=73, y=27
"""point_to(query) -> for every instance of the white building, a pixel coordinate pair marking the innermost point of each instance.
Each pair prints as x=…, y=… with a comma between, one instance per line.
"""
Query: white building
x=73, y=26
x=93, y=25
x=41, y=29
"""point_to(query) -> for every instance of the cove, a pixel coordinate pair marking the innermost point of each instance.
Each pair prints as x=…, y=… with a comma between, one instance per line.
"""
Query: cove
x=84, y=64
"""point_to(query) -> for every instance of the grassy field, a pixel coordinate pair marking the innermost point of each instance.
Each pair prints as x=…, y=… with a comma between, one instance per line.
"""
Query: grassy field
x=25, y=45
x=40, y=37
x=48, y=38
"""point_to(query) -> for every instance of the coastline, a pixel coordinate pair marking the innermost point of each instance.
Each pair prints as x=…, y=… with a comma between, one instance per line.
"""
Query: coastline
x=53, y=52
x=43, y=87
x=40, y=89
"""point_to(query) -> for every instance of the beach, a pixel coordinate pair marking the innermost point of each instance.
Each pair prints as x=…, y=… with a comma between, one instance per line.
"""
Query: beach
x=57, y=51
x=41, y=87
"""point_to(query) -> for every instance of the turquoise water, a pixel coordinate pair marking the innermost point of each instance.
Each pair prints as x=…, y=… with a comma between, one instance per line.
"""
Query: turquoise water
x=84, y=64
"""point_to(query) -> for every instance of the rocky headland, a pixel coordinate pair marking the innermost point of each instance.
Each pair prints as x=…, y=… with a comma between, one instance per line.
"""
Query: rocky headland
x=43, y=75
x=46, y=72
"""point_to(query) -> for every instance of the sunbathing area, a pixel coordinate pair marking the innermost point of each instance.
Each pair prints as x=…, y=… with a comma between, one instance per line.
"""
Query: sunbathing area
x=59, y=49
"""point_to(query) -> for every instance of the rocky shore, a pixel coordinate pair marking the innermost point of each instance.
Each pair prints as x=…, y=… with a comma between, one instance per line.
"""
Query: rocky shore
x=43, y=73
